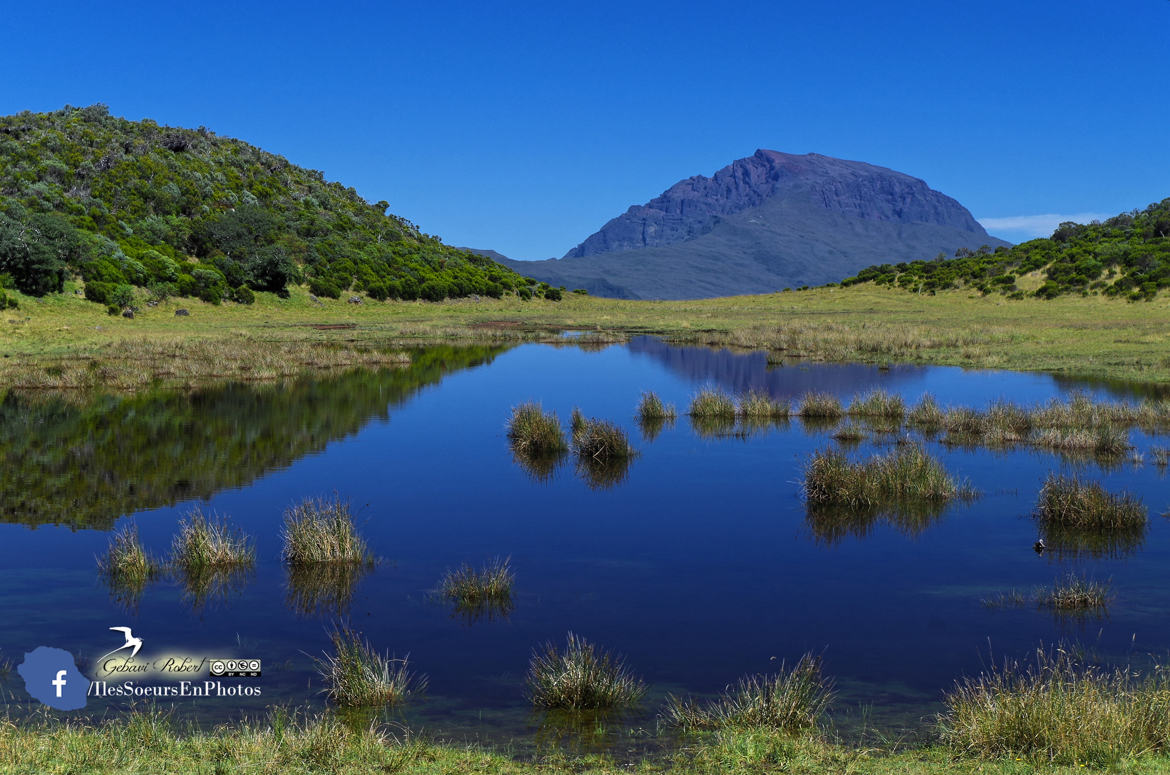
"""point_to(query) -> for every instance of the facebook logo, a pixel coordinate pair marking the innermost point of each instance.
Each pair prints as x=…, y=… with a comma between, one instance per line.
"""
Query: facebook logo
x=51, y=676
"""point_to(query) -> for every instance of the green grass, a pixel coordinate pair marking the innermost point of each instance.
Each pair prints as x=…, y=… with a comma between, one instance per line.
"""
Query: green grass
x=821, y=406
x=1068, y=502
x=207, y=543
x=126, y=562
x=756, y=406
x=906, y=475
x=791, y=700
x=1075, y=593
x=1059, y=710
x=926, y=414
x=849, y=434
x=712, y=404
x=582, y=676
x=473, y=588
x=1104, y=441
x=357, y=675
x=651, y=408
x=878, y=403
x=322, y=531
x=601, y=441
x=534, y=433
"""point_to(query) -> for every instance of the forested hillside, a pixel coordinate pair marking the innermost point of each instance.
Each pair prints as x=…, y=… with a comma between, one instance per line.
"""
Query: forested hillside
x=127, y=205
x=1126, y=256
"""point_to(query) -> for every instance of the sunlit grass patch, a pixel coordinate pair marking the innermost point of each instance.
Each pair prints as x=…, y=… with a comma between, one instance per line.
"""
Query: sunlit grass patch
x=582, y=676
x=126, y=562
x=1006, y=420
x=1070, y=503
x=469, y=586
x=1075, y=593
x=761, y=406
x=355, y=674
x=535, y=433
x=926, y=414
x=1059, y=710
x=791, y=700
x=964, y=423
x=878, y=403
x=205, y=543
x=820, y=406
x=652, y=408
x=711, y=403
x=849, y=434
x=601, y=440
x=322, y=531
x=1105, y=441
x=905, y=475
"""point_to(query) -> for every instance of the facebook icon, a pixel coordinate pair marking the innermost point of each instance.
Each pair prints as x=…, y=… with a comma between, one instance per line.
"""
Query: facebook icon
x=51, y=676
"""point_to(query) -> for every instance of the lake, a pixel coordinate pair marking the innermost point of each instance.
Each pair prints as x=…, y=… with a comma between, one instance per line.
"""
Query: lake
x=699, y=563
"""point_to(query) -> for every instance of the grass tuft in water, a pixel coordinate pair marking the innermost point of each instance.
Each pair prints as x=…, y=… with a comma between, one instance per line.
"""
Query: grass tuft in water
x=791, y=701
x=1160, y=456
x=926, y=414
x=1070, y=503
x=582, y=676
x=1104, y=441
x=878, y=403
x=652, y=408
x=820, y=406
x=322, y=531
x=849, y=434
x=207, y=543
x=532, y=432
x=601, y=440
x=1075, y=593
x=712, y=404
x=905, y=475
x=356, y=675
x=126, y=562
x=468, y=586
x=761, y=406
x=1059, y=711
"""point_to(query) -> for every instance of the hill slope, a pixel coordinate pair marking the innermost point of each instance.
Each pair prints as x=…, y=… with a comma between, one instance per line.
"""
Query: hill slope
x=1127, y=255
x=184, y=212
x=768, y=221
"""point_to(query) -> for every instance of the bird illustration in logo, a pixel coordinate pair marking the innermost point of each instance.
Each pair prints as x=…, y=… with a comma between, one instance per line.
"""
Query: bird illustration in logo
x=131, y=642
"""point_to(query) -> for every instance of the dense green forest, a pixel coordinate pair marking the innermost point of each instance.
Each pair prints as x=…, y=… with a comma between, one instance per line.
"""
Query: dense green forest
x=1127, y=256
x=128, y=205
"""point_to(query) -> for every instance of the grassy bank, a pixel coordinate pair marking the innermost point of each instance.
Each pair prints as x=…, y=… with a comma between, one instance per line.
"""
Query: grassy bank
x=282, y=744
x=74, y=341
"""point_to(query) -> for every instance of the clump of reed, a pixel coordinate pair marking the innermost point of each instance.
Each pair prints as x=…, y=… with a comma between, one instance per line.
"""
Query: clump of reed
x=791, y=700
x=711, y=403
x=820, y=406
x=1009, y=420
x=1059, y=710
x=1160, y=456
x=651, y=408
x=1070, y=503
x=601, y=440
x=1104, y=441
x=849, y=434
x=206, y=543
x=757, y=406
x=357, y=675
x=126, y=563
x=905, y=475
x=878, y=403
x=1075, y=593
x=534, y=433
x=582, y=676
x=471, y=587
x=576, y=422
x=322, y=531
x=926, y=414
x=964, y=423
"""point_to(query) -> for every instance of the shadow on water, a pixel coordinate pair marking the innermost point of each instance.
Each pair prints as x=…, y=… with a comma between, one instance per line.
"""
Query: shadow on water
x=83, y=462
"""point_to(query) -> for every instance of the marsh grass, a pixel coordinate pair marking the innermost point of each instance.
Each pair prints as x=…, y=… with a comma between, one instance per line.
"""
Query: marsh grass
x=324, y=587
x=1059, y=710
x=820, y=406
x=601, y=441
x=651, y=408
x=1075, y=593
x=576, y=422
x=582, y=676
x=1008, y=420
x=964, y=423
x=534, y=433
x=207, y=543
x=1160, y=456
x=905, y=475
x=322, y=531
x=1104, y=441
x=356, y=675
x=791, y=700
x=126, y=563
x=878, y=403
x=1068, y=502
x=926, y=414
x=471, y=588
x=849, y=434
x=756, y=406
x=710, y=403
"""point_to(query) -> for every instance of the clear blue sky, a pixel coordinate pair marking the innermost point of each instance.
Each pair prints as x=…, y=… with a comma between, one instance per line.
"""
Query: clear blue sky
x=523, y=127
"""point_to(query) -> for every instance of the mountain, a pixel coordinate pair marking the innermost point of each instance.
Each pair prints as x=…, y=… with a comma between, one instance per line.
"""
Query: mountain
x=136, y=209
x=1126, y=256
x=769, y=221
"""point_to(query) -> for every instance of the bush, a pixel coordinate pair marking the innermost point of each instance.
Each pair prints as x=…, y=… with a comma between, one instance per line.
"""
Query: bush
x=243, y=295
x=323, y=287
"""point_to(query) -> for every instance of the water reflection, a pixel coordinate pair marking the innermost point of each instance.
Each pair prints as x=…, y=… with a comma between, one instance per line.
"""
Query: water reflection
x=833, y=524
x=324, y=588
x=210, y=586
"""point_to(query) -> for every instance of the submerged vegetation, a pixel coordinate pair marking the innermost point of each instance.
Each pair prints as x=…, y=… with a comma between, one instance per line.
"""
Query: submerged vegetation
x=319, y=530
x=478, y=592
x=355, y=674
x=582, y=676
x=1075, y=593
x=791, y=700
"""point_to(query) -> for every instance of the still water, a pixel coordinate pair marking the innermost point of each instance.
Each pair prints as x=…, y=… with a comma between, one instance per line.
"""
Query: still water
x=700, y=565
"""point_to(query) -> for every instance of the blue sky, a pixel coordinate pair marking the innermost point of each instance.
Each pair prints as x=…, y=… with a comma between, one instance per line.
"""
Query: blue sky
x=523, y=127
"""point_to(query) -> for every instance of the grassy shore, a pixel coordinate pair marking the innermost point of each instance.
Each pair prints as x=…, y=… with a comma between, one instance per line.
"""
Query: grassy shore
x=72, y=342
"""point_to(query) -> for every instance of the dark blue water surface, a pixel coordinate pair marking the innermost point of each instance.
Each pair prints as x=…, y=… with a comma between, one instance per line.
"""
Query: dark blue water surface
x=700, y=566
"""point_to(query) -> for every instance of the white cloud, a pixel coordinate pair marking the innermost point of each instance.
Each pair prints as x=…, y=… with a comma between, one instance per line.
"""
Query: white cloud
x=1032, y=226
